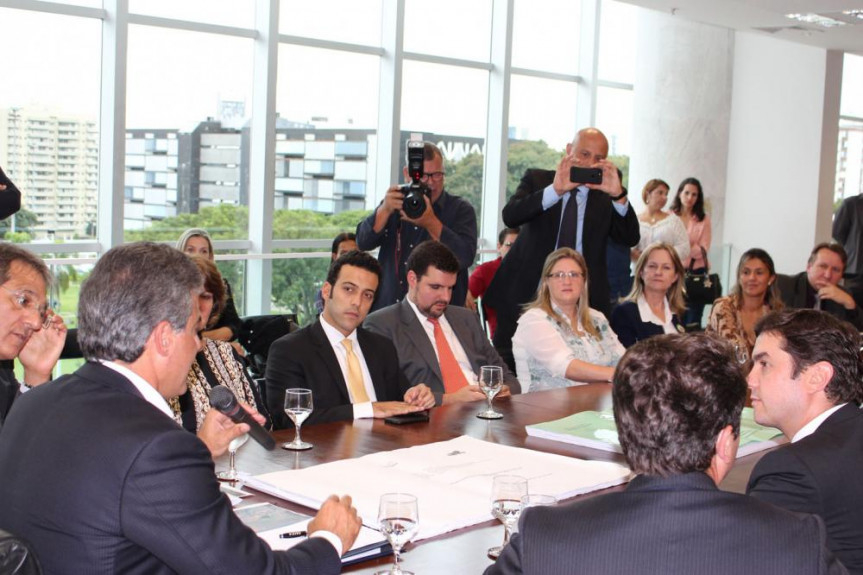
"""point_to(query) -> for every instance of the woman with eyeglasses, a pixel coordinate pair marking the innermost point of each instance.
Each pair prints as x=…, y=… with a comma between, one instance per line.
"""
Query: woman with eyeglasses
x=655, y=304
x=216, y=363
x=560, y=341
x=197, y=242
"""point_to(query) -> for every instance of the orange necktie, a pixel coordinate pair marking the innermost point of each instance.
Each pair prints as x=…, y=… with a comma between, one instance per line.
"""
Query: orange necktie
x=453, y=376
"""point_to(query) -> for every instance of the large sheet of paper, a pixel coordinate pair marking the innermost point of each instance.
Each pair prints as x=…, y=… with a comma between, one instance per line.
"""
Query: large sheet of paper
x=597, y=430
x=451, y=479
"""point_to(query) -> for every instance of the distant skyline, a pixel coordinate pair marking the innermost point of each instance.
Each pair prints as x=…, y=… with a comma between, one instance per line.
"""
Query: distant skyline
x=176, y=78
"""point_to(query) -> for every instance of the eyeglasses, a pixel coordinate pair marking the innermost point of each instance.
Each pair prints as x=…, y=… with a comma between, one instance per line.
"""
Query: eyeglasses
x=571, y=275
x=25, y=300
x=433, y=176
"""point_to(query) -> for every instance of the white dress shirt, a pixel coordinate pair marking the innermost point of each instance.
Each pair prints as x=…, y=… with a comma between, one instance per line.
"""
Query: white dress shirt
x=362, y=410
x=815, y=423
x=647, y=315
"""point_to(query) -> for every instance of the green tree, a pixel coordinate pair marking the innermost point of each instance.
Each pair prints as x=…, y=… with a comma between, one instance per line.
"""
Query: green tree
x=295, y=281
x=464, y=179
x=622, y=162
x=527, y=154
x=25, y=221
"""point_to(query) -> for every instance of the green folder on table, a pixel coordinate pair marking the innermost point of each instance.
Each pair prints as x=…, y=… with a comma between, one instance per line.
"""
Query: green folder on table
x=597, y=430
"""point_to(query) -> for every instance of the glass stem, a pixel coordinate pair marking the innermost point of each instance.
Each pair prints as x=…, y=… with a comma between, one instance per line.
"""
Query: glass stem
x=297, y=439
x=231, y=469
x=489, y=398
x=505, y=535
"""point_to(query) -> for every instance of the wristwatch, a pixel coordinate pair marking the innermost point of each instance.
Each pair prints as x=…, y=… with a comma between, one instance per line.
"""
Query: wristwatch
x=623, y=194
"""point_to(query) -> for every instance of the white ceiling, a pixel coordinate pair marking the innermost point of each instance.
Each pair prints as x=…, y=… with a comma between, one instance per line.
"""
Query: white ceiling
x=768, y=17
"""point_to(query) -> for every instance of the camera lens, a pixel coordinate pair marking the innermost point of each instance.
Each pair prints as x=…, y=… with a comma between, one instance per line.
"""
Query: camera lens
x=414, y=204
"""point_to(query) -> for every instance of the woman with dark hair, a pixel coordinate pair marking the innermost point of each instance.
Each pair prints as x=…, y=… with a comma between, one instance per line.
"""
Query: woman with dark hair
x=658, y=226
x=197, y=242
x=754, y=295
x=688, y=204
x=560, y=341
x=216, y=363
x=656, y=301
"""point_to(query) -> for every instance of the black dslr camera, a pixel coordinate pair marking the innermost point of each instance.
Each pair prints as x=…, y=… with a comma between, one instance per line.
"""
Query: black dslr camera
x=415, y=192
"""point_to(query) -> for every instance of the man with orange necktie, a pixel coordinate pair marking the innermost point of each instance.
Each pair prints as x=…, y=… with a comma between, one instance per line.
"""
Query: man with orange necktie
x=440, y=345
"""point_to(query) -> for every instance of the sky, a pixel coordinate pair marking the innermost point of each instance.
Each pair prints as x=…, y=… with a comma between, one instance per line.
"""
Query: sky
x=177, y=78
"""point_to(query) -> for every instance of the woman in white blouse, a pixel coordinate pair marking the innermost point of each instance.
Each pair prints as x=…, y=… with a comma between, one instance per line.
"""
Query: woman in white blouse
x=657, y=225
x=656, y=301
x=560, y=341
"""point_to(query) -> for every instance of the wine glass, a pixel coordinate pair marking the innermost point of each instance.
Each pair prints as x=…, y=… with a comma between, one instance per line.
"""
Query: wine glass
x=490, y=382
x=506, y=494
x=537, y=500
x=298, y=406
x=398, y=516
x=231, y=474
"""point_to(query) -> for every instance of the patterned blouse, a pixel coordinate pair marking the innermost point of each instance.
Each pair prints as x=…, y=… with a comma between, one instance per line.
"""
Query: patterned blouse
x=725, y=321
x=669, y=230
x=216, y=364
x=544, y=348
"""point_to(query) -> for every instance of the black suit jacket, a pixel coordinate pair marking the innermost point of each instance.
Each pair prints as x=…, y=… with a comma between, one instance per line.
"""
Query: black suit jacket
x=627, y=324
x=822, y=474
x=516, y=281
x=794, y=289
x=98, y=480
x=680, y=524
x=306, y=359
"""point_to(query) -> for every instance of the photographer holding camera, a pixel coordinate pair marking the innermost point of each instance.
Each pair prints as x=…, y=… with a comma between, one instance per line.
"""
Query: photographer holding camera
x=411, y=214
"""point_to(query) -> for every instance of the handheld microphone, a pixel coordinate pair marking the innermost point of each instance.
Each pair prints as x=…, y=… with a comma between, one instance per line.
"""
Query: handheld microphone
x=223, y=399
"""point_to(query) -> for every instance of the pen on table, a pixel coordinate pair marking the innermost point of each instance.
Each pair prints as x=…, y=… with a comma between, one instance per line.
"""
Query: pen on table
x=292, y=534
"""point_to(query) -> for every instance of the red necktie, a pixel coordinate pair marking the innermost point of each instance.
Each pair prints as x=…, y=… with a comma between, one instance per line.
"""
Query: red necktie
x=453, y=376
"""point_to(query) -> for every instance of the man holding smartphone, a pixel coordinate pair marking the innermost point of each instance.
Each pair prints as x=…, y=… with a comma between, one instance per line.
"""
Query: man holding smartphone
x=554, y=211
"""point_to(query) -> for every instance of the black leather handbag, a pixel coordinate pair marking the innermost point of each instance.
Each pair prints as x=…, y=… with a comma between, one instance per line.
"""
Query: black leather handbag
x=703, y=287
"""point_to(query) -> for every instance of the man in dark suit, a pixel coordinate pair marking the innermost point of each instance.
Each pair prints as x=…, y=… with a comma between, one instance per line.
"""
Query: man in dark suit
x=677, y=403
x=350, y=371
x=805, y=380
x=29, y=331
x=95, y=473
x=548, y=219
x=818, y=287
x=438, y=344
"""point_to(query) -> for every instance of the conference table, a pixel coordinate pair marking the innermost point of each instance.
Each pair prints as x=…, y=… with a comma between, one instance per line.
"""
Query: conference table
x=462, y=551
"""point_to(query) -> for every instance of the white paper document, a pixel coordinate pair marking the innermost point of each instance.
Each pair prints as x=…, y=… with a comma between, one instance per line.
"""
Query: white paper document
x=269, y=522
x=451, y=479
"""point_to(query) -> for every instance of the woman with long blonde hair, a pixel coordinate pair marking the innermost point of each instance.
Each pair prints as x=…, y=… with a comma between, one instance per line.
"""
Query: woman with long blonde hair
x=656, y=302
x=560, y=341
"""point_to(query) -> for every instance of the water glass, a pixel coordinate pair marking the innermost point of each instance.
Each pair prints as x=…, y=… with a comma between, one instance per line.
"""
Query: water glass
x=298, y=406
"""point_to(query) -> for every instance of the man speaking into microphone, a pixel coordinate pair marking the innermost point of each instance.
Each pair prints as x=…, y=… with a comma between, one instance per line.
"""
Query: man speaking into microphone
x=95, y=473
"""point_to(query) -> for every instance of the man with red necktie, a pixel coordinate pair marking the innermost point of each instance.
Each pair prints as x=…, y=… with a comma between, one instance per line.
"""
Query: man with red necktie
x=440, y=345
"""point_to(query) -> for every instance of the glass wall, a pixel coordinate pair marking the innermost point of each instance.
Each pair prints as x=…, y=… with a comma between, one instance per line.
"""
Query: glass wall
x=49, y=123
x=849, y=156
x=196, y=82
